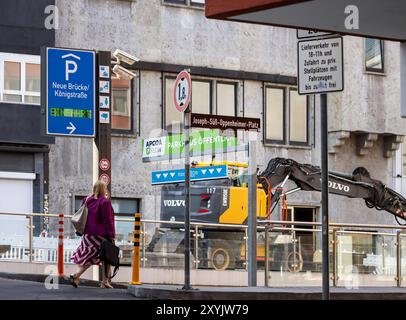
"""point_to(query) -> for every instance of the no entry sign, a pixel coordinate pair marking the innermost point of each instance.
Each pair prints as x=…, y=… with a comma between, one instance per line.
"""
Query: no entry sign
x=182, y=91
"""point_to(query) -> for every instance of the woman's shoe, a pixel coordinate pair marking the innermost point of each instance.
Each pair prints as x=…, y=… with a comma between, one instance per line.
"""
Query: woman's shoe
x=106, y=285
x=73, y=282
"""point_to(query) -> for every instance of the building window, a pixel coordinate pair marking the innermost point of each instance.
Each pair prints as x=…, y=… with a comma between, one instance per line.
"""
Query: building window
x=298, y=118
x=374, y=55
x=226, y=99
x=275, y=115
x=282, y=103
x=121, y=104
x=201, y=102
x=192, y=3
x=125, y=208
x=20, y=78
x=205, y=94
x=404, y=158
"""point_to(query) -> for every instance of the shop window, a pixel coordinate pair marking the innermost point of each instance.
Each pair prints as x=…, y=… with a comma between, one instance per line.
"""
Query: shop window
x=20, y=78
x=374, y=55
x=121, y=105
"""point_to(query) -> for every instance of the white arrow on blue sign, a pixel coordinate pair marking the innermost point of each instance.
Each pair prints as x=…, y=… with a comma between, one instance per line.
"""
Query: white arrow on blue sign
x=70, y=92
x=196, y=174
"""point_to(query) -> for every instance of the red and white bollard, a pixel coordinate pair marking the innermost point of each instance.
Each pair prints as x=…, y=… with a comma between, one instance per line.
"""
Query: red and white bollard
x=60, y=245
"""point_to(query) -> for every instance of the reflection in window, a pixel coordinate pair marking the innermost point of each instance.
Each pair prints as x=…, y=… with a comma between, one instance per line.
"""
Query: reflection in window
x=374, y=55
x=298, y=118
x=121, y=104
x=275, y=114
x=226, y=102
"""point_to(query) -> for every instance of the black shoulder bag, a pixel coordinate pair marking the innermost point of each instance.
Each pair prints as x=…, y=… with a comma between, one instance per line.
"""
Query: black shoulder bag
x=110, y=255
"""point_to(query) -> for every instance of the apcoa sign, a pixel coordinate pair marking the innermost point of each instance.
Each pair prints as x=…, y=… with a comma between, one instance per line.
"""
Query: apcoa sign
x=172, y=147
x=154, y=147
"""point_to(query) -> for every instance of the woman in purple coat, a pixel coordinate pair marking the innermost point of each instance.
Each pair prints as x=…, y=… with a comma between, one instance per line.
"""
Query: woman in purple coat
x=99, y=227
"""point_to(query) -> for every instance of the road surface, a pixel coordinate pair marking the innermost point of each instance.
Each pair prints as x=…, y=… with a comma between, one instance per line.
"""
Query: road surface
x=27, y=290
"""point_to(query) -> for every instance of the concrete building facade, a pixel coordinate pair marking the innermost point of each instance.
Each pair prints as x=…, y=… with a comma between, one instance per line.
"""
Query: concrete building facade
x=258, y=64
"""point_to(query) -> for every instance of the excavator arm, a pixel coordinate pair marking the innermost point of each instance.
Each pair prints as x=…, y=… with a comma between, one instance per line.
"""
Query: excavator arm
x=308, y=178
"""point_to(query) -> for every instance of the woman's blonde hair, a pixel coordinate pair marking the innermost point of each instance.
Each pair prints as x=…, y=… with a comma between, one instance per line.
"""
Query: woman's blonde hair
x=100, y=189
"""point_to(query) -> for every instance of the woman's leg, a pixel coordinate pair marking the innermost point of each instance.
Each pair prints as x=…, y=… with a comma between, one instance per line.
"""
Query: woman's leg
x=81, y=270
x=105, y=277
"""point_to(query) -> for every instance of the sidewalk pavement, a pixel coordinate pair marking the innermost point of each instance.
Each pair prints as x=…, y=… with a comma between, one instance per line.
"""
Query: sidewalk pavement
x=30, y=290
x=30, y=286
x=262, y=293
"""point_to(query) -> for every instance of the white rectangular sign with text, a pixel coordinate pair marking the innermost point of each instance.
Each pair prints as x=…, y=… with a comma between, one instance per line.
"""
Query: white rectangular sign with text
x=320, y=66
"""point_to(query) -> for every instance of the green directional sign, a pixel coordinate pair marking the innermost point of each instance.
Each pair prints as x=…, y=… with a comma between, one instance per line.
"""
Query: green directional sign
x=172, y=146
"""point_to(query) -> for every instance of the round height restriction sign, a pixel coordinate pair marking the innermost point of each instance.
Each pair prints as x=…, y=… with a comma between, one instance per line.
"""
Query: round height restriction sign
x=182, y=91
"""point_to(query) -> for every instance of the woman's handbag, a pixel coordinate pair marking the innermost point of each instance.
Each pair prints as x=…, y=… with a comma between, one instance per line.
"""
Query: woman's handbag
x=110, y=255
x=79, y=219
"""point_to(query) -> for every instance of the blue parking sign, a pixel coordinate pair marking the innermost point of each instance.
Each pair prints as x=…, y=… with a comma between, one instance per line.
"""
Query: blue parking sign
x=70, y=92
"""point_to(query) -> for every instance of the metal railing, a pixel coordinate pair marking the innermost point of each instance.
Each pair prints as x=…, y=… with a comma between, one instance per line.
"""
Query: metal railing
x=367, y=251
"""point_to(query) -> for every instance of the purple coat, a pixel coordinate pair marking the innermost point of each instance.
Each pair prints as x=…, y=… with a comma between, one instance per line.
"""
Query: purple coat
x=100, y=218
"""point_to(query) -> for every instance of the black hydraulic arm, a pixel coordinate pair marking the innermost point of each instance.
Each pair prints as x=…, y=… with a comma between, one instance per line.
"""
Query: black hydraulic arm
x=308, y=178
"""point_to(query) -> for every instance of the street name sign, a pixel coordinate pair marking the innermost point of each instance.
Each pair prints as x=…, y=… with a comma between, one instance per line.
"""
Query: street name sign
x=182, y=91
x=70, y=92
x=196, y=174
x=224, y=122
x=320, y=66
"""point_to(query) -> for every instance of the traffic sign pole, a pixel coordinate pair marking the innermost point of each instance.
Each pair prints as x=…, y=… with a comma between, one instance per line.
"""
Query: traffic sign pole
x=321, y=70
x=102, y=141
x=182, y=93
x=187, y=114
x=324, y=197
x=103, y=132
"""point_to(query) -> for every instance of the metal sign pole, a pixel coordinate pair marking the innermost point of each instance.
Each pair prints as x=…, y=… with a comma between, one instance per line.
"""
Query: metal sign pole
x=252, y=215
x=187, y=199
x=324, y=196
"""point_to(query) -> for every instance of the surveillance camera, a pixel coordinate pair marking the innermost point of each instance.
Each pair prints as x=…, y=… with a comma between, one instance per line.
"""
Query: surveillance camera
x=123, y=72
x=125, y=57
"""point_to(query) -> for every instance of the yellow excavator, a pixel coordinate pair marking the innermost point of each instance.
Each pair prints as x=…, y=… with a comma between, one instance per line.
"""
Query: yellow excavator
x=225, y=202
